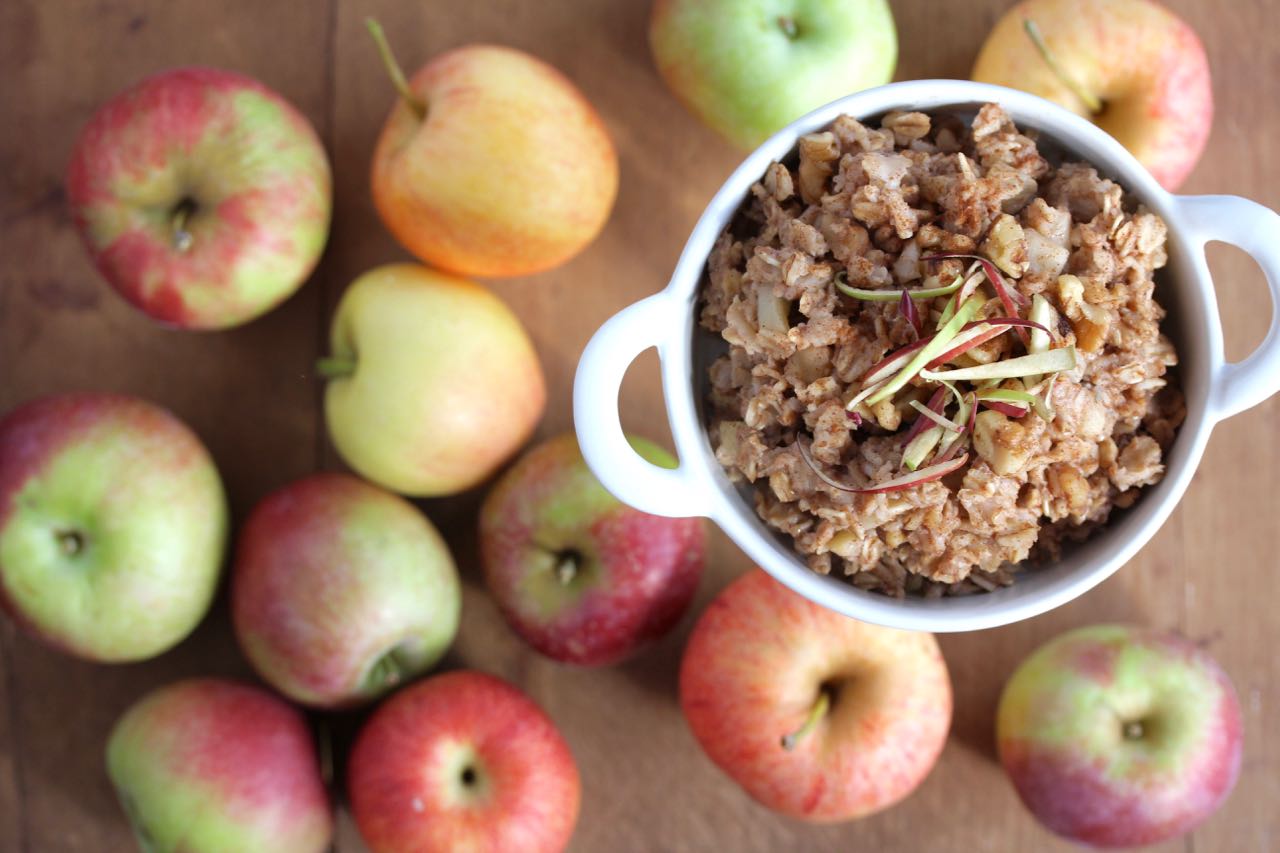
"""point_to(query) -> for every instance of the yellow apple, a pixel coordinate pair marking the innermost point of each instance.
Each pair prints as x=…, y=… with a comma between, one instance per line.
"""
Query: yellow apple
x=433, y=382
x=492, y=163
x=1130, y=66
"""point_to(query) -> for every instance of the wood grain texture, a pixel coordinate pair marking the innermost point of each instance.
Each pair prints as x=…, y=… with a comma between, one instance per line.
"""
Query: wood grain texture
x=251, y=395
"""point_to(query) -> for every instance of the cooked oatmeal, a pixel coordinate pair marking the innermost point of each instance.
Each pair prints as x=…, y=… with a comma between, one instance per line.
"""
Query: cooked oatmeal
x=802, y=287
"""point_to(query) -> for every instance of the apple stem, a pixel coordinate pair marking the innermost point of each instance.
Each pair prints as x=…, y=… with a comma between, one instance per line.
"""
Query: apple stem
x=1090, y=100
x=1133, y=730
x=567, y=568
x=816, y=713
x=336, y=366
x=788, y=26
x=398, y=80
x=182, y=238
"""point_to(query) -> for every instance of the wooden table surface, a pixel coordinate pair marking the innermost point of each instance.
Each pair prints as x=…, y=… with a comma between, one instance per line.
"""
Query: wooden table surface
x=251, y=394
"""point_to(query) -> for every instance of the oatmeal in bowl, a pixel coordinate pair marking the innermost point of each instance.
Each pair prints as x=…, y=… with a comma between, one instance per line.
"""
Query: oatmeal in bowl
x=944, y=352
x=882, y=453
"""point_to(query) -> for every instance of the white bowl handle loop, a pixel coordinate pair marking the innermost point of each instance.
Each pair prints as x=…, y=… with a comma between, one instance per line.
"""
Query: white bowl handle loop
x=629, y=477
x=1256, y=229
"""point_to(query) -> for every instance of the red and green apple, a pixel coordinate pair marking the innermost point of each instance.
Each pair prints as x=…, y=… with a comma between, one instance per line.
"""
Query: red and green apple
x=113, y=524
x=202, y=196
x=341, y=591
x=1117, y=736
x=213, y=766
x=581, y=576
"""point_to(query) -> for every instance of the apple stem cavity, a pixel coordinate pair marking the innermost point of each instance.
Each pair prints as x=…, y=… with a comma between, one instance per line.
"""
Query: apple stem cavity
x=336, y=366
x=71, y=542
x=1134, y=730
x=567, y=566
x=816, y=713
x=418, y=105
x=787, y=24
x=1090, y=100
x=182, y=236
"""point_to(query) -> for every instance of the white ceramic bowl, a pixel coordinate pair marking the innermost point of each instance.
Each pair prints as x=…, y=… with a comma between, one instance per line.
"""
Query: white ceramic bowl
x=1214, y=388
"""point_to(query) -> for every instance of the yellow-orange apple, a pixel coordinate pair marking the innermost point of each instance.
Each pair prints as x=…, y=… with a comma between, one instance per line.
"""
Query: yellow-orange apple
x=433, y=382
x=1132, y=67
x=492, y=163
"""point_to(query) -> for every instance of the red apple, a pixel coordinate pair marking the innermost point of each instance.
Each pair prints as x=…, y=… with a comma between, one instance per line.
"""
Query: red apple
x=492, y=163
x=1131, y=67
x=202, y=195
x=815, y=715
x=341, y=590
x=462, y=761
x=113, y=524
x=212, y=766
x=583, y=577
x=1117, y=736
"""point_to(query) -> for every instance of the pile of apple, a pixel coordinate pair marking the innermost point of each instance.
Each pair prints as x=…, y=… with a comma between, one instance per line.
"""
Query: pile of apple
x=204, y=198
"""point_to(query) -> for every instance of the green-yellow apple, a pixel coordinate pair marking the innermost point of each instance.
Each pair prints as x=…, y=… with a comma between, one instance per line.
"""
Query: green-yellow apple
x=581, y=576
x=212, y=766
x=462, y=761
x=433, y=382
x=1132, y=67
x=492, y=163
x=1117, y=736
x=113, y=524
x=814, y=714
x=202, y=195
x=341, y=590
x=749, y=67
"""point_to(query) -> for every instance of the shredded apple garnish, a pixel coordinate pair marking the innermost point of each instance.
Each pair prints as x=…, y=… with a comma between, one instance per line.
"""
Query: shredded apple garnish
x=1013, y=386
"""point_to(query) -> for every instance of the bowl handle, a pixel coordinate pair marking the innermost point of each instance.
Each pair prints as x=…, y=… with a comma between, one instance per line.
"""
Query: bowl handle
x=1256, y=229
x=629, y=477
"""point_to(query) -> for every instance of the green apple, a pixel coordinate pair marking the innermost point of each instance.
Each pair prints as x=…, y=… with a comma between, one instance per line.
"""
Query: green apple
x=749, y=67
x=433, y=382
x=113, y=524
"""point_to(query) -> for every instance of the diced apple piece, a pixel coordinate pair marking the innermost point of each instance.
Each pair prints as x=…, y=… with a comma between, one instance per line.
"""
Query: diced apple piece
x=1006, y=246
x=1001, y=441
x=887, y=415
x=844, y=544
x=1044, y=258
x=773, y=312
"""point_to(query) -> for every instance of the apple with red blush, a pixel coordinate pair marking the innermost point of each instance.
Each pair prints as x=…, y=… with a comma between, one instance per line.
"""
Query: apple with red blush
x=462, y=761
x=581, y=576
x=213, y=766
x=815, y=715
x=1118, y=736
x=202, y=195
x=1132, y=67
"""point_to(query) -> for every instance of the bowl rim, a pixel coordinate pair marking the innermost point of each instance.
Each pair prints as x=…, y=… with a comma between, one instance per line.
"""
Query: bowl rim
x=1200, y=350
